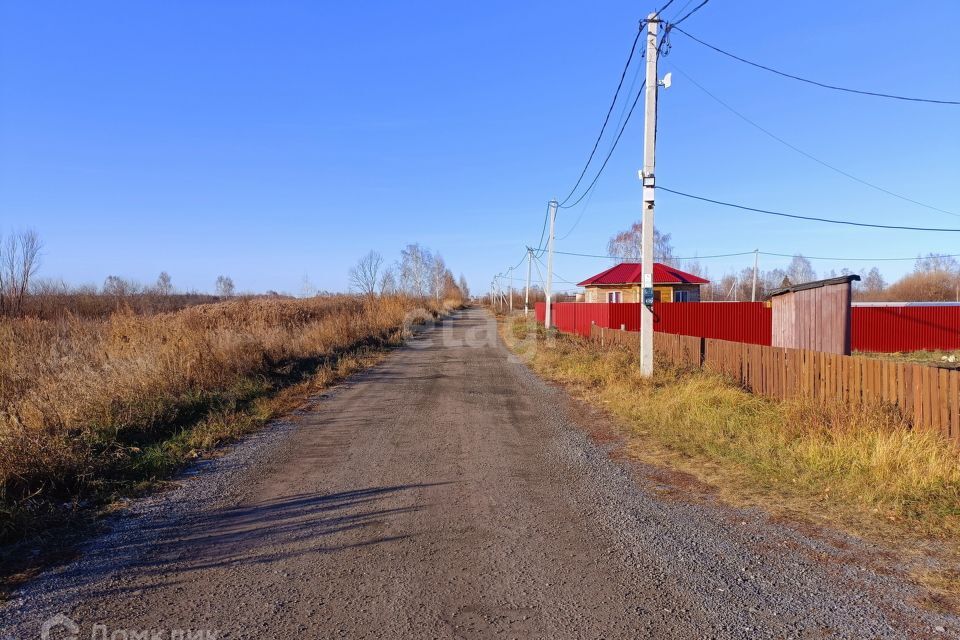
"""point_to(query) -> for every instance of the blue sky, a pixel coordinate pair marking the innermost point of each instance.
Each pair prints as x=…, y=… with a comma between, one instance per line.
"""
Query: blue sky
x=269, y=140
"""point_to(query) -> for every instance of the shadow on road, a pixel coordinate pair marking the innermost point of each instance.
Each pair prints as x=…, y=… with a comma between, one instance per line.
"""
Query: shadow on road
x=267, y=532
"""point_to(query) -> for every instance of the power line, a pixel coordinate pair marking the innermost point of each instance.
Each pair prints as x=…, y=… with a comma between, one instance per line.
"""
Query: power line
x=543, y=232
x=767, y=253
x=665, y=7
x=583, y=210
x=606, y=120
x=799, y=217
x=555, y=274
x=809, y=155
x=682, y=9
x=612, y=149
x=693, y=11
x=595, y=255
x=807, y=80
x=788, y=255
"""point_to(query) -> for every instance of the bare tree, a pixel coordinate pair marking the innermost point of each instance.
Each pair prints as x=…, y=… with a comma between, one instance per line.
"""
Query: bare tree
x=626, y=245
x=415, y=263
x=464, y=288
x=164, y=285
x=224, y=286
x=19, y=261
x=388, y=281
x=873, y=283
x=119, y=287
x=933, y=262
x=800, y=270
x=365, y=276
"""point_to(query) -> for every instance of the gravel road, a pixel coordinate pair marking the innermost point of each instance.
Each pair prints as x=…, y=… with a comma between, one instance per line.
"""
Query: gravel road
x=450, y=493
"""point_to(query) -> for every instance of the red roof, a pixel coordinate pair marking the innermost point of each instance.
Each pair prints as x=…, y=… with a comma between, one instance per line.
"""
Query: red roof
x=629, y=273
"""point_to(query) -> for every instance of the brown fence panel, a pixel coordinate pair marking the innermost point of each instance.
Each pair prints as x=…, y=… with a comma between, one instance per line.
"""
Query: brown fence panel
x=927, y=396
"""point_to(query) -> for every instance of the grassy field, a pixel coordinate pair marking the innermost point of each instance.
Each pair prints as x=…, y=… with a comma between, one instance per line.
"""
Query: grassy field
x=861, y=469
x=93, y=408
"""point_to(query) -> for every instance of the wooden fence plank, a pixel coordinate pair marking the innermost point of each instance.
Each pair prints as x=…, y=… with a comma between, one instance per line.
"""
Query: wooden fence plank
x=955, y=405
x=943, y=393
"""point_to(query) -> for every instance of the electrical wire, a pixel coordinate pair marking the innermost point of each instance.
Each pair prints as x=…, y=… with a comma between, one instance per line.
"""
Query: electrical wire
x=606, y=120
x=660, y=46
x=824, y=85
x=799, y=217
x=664, y=8
x=612, y=149
x=594, y=255
x=681, y=10
x=767, y=253
x=788, y=255
x=586, y=205
x=693, y=11
x=543, y=232
x=808, y=155
x=556, y=275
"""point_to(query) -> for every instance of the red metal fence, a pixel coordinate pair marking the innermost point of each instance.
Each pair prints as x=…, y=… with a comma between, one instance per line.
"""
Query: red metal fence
x=883, y=329
x=905, y=328
x=734, y=321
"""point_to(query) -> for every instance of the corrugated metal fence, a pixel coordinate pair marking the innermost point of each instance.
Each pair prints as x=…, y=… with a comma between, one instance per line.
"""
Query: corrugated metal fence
x=883, y=329
x=906, y=328
x=737, y=321
x=929, y=397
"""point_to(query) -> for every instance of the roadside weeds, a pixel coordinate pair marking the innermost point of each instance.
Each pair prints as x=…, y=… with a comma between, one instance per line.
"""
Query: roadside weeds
x=860, y=470
x=127, y=440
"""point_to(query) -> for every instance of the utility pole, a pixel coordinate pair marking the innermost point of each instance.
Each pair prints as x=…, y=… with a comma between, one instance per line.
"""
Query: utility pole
x=526, y=296
x=649, y=184
x=548, y=320
x=756, y=265
x=510, y=287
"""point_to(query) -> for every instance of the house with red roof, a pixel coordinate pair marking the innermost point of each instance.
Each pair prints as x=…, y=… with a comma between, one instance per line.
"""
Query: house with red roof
x=624, y=282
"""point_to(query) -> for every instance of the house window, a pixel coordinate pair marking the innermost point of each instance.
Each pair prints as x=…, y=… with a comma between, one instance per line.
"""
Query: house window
x=613, y=296
x=681, y=296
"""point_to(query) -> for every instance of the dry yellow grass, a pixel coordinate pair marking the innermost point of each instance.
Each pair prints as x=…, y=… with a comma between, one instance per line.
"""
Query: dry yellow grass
x=90, y=406
x=862, y=468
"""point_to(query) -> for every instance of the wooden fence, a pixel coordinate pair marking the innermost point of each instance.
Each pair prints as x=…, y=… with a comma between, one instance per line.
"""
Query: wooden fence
x=928, y=396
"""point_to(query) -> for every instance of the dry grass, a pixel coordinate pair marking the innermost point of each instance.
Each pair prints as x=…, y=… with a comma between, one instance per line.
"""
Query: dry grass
x=944, y=359
x=862, y=468
x=92, y=407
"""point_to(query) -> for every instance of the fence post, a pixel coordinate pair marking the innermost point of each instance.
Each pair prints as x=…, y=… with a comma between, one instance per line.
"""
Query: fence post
x=703, y=352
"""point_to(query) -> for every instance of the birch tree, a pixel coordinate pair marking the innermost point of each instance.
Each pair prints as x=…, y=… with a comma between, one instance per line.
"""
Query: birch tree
x=415, y=270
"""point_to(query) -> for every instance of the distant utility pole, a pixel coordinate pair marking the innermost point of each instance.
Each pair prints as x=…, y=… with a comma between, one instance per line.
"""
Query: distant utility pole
x=756, y=265
x=510, y=287
x=526, y=296
x=547, y=321
x=649, y=184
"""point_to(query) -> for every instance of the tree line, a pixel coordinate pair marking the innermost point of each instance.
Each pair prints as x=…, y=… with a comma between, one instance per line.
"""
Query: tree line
x=419, y=273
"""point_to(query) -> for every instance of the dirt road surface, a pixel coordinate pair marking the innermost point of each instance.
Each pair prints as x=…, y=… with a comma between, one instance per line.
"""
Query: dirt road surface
x=449, y=493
